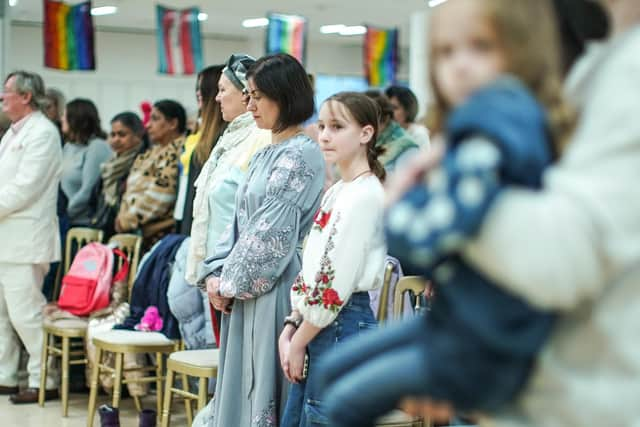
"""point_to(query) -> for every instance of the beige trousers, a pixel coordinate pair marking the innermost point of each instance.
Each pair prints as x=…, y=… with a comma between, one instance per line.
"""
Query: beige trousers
x=21, y=302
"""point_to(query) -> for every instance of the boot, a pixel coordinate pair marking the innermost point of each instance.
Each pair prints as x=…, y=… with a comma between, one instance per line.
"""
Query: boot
x=109, y=416
x=147, y=418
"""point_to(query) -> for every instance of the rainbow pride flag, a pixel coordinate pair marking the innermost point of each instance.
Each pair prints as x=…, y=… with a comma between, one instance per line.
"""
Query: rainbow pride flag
x=179, y=40
x=287, y=34
x=380, y=56
x=68, y=36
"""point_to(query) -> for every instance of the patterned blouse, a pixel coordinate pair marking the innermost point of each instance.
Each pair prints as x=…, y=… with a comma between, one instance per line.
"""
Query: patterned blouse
x=151, y=186
x=345, y=250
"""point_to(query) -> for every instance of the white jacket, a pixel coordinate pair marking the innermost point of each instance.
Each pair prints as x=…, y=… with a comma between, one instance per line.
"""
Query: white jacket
x=575, y=248
x=30, y=171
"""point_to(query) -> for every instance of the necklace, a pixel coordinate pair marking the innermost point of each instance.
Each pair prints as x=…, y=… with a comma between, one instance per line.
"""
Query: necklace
x=360, y=174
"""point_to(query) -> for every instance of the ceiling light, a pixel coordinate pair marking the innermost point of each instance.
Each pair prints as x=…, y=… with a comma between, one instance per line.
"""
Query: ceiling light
x=354, y=30
x=202, y=16
x=343, y=30
x=13, y=2
x=255, y=22
x=434, y=3
x=332, y=29
x=104, y=10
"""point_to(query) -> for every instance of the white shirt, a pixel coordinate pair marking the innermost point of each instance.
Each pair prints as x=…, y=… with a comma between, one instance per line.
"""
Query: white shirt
x=345, y=250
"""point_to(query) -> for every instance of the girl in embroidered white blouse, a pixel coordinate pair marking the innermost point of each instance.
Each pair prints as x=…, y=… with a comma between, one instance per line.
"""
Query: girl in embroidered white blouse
x=343, y=257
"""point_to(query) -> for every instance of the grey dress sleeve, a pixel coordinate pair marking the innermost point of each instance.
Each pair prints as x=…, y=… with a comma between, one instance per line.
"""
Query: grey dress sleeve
x=97, y=153
x=269, y=240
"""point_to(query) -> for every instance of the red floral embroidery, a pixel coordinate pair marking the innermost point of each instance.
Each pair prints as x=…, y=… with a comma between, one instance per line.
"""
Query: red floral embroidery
x=321, y=220
x=330, y=298
x=299, y=286
x=322, y=293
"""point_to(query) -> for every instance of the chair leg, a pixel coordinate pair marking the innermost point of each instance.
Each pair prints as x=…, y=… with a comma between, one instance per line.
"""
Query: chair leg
x=159, y=381
x=65, y=376
x=137, y=403
x=43, y=368
x=187, y=402
x=93, y=395
x=166, y=408
x=117, y=380
x=203, y=389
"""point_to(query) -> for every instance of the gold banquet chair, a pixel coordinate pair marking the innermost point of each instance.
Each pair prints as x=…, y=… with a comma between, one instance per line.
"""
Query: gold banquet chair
x=384, y=292
x=415, y=284
x=201, y=364
x=69, y=333
x=120, y=342
x=418, y=286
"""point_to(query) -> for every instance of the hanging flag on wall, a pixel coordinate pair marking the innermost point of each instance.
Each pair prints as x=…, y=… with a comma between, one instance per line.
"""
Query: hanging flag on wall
x=287, y=34
x=68, y=36
x=179, y=41
x=380, y=56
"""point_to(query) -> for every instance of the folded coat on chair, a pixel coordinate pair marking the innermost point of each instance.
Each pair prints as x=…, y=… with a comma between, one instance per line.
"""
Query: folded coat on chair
x=150, y=286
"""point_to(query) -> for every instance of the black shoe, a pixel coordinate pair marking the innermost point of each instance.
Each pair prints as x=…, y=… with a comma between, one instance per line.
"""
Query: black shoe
x=30, y=395
x=109, y=416
x=8, y=389
x=147, y=418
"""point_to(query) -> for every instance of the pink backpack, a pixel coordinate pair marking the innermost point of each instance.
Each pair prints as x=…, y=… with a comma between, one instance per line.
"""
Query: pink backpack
x=86, y=286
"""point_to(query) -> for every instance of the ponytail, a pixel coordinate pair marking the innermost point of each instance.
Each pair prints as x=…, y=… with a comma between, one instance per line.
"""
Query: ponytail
x=376, y=166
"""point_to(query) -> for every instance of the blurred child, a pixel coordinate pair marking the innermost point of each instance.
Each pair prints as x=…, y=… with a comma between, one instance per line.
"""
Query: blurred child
x=496, y=79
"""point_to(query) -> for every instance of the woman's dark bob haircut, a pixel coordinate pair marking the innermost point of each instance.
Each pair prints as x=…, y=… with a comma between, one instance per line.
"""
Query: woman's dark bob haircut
x=283, y=79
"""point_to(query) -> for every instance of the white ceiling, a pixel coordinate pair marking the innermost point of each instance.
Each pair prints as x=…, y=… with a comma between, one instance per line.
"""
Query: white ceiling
x=225, y=16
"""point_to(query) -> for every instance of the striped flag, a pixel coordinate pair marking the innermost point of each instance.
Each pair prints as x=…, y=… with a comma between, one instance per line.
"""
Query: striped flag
x=287, y=34
x=179, y=41
x=380, y=56
x=68, y=36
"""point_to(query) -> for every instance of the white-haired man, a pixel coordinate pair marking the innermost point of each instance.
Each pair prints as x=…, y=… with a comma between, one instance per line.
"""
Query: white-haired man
x=30, y=168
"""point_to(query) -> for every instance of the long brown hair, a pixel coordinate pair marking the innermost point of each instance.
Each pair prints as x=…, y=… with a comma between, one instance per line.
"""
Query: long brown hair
x=365, y=112
x=530, y=43
x=84, y=121
x=212, y=124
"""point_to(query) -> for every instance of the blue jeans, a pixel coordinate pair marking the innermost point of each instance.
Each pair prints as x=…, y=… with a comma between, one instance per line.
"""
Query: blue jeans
x=305, y=402
x=367, y=377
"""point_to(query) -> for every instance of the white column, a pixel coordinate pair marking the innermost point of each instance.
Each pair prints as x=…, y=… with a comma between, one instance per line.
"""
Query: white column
x=419, y=60
x=5, y=24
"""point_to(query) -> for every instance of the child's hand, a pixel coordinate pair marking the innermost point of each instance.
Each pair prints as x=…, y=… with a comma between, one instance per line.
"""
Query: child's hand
x=295, y=361
x=284, y=342
x=412, y=172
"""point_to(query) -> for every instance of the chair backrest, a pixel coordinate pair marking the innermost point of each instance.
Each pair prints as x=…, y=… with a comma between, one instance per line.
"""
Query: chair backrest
x=416, y=284
x=77, y=237
x=131, y=245
x=384, y=292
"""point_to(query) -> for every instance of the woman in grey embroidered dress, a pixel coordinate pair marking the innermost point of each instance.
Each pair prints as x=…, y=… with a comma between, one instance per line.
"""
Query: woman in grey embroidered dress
x=258, y=258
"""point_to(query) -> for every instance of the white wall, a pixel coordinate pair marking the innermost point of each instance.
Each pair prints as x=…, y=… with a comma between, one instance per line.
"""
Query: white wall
x=126, y=66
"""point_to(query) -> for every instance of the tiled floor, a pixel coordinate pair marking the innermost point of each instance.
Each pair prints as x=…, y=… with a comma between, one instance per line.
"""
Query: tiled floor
x=51, y=415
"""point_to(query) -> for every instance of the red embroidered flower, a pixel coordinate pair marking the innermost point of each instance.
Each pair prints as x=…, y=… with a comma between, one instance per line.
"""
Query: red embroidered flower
x=330, y=298
x=325, y=278
x=322, y=219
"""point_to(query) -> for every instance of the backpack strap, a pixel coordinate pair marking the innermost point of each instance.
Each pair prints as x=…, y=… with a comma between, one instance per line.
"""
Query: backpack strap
x=124, y=270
